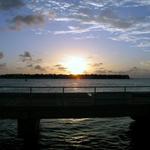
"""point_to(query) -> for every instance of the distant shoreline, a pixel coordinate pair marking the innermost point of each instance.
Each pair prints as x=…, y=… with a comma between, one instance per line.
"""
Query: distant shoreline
x=63, y=76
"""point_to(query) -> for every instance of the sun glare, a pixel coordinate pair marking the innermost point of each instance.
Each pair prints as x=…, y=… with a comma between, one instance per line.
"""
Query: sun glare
x=76, y=65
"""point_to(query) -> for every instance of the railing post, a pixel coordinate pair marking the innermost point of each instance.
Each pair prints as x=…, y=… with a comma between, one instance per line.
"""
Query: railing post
x=63, y=90
x=94, y=95
x=94, y=90
x=125, y=89
x=30, y=90
x=63, y=101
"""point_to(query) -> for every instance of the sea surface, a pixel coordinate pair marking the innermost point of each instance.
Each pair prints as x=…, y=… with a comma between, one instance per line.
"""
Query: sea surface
x=77, y=134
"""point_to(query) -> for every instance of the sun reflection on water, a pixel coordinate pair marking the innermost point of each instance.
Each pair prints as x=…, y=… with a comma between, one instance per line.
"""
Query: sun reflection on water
x=74, y=121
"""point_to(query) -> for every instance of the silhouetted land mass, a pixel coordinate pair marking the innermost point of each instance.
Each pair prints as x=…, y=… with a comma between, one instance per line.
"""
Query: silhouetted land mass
x=63, y=76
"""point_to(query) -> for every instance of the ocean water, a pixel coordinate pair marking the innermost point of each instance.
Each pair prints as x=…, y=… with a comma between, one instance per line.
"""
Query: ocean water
x=78, y=134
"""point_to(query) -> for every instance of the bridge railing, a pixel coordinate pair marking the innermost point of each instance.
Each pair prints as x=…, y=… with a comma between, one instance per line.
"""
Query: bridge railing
x=72, y=89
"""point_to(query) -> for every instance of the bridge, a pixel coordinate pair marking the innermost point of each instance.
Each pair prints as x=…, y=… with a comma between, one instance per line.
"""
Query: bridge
x=30, y=104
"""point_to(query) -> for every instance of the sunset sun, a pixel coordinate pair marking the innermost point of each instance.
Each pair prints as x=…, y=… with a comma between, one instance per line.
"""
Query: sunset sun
x=76, y=65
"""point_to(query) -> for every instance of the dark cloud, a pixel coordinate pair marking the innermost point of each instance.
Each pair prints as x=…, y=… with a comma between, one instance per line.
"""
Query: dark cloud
x=26, y=54
x=31, y=62
x=29, y=20
x=10, y=4
x=60, y=67
x=26, y=57
x=1, y=55
x=39, y=68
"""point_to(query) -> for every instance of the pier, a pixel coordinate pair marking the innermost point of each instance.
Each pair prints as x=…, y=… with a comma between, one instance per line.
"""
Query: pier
x=30, y=104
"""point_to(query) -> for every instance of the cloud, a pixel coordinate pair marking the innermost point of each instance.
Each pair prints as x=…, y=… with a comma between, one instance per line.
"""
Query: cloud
x=28, y=16
x=100, y=71
x=10, y=4
x=32, y=63
x=63, y=19
x=1, y=55
x=136, y=72
x=145, y=63
x=84, y=16
x=29, y=20
x=110, y=18
x=144, y=44
x=133, y=69
x=78, y=30
x=26, y=57
x=117, y=3
x=40, y=68
x=95, y=4
x=126, y=37
x=29, y=65
x=137, y=34
x=73, y=30
x=85, y=37
x=89, y=18
x=104, y=71
x=110, y=15
x=97, y=64
x=60, y=67
x=2, y=66
x=38, y=60
x=107, y=18
x=98, y=68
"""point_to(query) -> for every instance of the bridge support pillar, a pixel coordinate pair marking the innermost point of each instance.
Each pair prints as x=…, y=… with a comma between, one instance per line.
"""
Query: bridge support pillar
x=140, y=132
x=28, y=129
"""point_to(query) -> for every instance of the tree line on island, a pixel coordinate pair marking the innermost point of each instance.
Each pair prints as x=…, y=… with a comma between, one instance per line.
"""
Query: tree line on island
x=63, y=76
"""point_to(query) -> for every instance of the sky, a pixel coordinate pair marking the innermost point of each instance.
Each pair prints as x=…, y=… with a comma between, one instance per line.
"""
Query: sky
x=44, y=36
